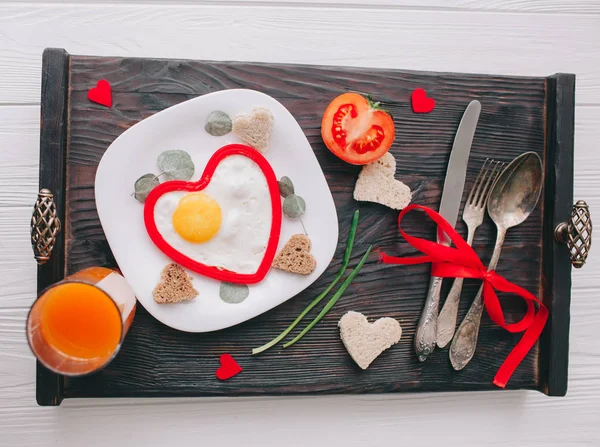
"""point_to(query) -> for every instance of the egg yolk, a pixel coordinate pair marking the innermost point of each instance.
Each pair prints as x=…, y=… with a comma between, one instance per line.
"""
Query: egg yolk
x=197, y=217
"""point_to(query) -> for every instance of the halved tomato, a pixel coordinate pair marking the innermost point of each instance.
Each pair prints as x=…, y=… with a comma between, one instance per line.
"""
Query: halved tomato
x=356, y=129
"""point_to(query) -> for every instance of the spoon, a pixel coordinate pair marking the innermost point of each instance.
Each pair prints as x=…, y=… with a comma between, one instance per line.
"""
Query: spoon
x=512, y=199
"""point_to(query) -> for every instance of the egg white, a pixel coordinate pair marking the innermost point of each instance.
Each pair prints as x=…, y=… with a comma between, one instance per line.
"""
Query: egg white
x=240, y=188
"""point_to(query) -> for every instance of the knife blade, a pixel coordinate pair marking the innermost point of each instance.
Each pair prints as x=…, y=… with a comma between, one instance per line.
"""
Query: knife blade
x=425, y=336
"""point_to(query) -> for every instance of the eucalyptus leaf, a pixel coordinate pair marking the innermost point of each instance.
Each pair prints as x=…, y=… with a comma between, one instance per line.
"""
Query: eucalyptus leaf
x=170, y=153
x=233, y=293
x=294, y=206
x=218, y=124
x=286, y=187
x=144, y=185
x=175, y=165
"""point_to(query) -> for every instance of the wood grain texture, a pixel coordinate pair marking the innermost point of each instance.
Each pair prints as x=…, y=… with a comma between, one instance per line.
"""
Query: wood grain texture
x=53, y=161
x=405, y=37
x=496, y=6
x=352, y=420
x=558, y=204
x=157, y=360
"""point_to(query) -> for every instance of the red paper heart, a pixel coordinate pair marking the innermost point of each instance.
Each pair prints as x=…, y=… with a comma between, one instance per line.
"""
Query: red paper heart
x=177, y=185
x=229, y=367
x=420, y=102
x=101, y=94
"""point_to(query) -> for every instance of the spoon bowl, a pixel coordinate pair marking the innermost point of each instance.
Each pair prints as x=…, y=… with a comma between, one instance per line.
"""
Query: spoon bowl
x=516, y=192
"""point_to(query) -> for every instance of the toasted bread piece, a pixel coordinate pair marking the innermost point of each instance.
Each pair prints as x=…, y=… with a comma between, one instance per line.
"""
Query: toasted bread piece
x=175, y=286
x=294, y=257
x=376, y=183
x=366, y=341
x=255, y=129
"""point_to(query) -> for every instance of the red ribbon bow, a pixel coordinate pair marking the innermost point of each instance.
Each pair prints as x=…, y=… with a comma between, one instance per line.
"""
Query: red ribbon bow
x=463, y=262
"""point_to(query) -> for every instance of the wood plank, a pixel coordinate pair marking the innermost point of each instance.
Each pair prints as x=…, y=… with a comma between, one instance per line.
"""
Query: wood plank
x=587, y=7
x=558, y=202
x=52, y=176
x=414, y=39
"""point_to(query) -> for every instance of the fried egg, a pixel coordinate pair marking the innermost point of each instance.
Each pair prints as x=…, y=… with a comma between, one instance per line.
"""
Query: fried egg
x=227, y=224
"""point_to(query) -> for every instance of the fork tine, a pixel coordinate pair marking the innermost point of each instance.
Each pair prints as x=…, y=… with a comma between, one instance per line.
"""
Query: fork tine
x=476, y=183
x=484, y=175
x=490, y=181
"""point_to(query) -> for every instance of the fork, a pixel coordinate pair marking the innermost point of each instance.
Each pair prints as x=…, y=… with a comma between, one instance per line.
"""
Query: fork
x=473, y=217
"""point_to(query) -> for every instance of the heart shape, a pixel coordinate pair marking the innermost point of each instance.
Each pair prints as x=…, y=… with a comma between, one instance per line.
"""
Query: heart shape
x=229, y=367
x=175, y=286
x=254, y=129
x=376, y=183
x=295, y=256
x=420, y=102
x=101, y=94
x=177, y=185
x=366, y=341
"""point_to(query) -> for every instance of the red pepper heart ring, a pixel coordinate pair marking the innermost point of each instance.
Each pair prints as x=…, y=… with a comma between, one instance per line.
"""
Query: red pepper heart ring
x=214, y=271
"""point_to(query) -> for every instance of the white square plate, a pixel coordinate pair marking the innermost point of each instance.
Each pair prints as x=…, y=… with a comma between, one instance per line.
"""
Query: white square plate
x=134, y=153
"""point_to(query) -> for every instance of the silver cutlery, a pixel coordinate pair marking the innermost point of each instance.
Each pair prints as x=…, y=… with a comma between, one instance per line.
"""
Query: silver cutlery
x=454, y=183
x=513, y=197
x=473, y=217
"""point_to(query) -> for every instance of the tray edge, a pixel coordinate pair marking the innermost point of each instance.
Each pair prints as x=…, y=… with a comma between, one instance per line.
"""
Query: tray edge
x=53, y=146
x=558, y=202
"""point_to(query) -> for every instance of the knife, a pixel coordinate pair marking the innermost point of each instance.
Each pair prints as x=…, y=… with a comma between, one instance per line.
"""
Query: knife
x=425, y=336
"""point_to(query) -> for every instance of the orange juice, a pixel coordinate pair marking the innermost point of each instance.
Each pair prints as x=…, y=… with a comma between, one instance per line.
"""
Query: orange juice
x=81, y=321
x=77, y=325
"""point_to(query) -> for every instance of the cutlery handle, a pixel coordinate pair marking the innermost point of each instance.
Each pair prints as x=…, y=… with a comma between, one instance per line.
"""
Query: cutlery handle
x=448, y=315
x=447, y=319
x=464, y=342
x=427, y=327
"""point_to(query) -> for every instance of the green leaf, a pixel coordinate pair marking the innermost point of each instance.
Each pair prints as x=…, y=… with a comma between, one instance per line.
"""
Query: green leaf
x=233, y=293
x=317, y=300
x=286, y=187
x=170, y=153
x=294, y=206
x=175, y=165
x=144, y=185
x=333, y=299
x=218, y=124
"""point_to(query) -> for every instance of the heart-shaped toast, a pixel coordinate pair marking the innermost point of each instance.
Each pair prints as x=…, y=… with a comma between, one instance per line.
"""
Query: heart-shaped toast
x=295, y=256
x=238, y=217
x=175, y=286
x=420, y=102
x=365, y=341
x=254, y=129
x=376, y=183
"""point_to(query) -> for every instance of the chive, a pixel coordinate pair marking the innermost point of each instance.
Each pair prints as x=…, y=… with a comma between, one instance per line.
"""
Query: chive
x=317, y=300
x=333, y=299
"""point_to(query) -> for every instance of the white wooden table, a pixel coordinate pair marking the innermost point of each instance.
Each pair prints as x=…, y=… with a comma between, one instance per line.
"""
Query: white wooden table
x=526, y=37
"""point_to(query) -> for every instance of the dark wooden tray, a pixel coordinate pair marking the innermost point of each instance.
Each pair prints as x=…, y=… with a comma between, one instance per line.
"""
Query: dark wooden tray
x=519, y=114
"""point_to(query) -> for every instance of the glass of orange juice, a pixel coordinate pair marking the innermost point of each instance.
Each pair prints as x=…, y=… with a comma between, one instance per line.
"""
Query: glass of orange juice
x=77, y=325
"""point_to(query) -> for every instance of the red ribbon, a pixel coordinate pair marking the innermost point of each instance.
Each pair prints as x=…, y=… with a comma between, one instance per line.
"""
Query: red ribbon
x=463, y=262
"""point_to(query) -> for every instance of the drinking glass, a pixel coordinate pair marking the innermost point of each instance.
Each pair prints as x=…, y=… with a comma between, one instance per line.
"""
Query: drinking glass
x=77, y=325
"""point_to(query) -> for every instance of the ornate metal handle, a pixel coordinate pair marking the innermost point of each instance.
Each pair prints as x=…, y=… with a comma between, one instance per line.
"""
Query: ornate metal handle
x=464, y=343
x=427, y=328
x=45, y=226
x=576, y=233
